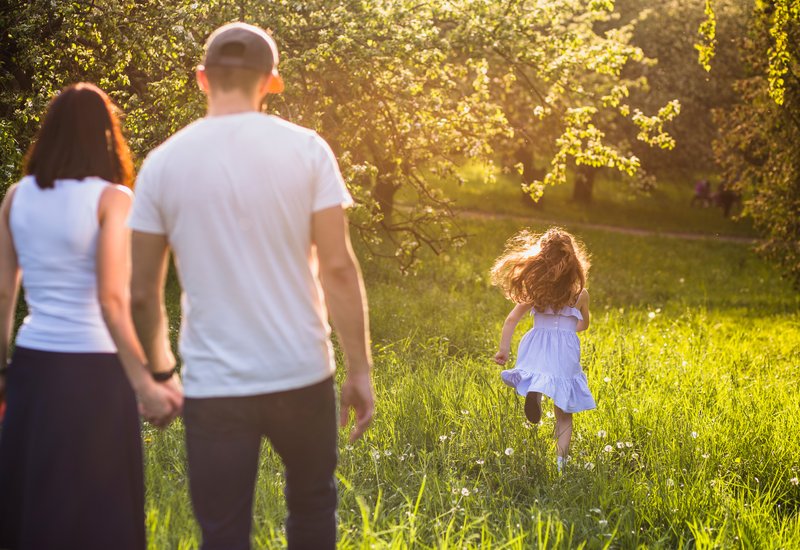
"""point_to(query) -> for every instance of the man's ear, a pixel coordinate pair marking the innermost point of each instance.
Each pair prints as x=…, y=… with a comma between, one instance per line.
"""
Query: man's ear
x=202, y=79
x=264, y=85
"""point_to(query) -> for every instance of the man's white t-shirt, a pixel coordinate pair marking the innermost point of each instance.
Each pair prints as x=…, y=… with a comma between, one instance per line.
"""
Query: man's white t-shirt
x=234, y=195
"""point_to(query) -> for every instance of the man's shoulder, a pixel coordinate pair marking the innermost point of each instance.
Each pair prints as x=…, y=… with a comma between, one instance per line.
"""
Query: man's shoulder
x=287, y=128
x=174, y=141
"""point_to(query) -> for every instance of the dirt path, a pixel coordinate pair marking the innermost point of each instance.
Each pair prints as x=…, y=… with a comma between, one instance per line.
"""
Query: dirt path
x=476, y=214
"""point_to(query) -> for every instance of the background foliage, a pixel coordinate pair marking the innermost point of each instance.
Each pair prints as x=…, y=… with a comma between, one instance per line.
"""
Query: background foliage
x=400, y=89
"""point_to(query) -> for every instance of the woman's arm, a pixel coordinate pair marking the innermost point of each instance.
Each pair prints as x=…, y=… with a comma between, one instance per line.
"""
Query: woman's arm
x=9, y=283
x=159, y=403
x=501, y=357
x=583, y=306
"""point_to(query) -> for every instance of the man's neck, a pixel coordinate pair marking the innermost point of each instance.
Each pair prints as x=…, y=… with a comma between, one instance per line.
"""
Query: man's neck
x=232, y=105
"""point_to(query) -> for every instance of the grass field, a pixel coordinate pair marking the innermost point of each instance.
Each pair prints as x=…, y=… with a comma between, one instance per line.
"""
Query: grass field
x=664, y=208
x=692, y=356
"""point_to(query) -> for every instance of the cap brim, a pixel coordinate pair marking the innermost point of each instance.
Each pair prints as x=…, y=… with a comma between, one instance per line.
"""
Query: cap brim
x=275, y=84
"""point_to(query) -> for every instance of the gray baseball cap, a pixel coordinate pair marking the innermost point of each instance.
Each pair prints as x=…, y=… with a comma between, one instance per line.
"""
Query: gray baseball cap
x=244, y=46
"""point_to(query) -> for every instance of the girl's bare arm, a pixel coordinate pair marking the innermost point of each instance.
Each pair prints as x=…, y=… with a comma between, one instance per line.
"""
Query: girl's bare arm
x=510, y=324
x=583, y=306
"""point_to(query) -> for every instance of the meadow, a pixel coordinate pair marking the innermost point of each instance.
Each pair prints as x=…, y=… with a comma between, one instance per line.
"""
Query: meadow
x=692, y=357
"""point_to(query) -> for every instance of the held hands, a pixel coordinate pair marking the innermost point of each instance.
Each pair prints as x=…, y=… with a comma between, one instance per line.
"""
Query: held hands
x=501, y=357
x=161, y=402
x=356, y=393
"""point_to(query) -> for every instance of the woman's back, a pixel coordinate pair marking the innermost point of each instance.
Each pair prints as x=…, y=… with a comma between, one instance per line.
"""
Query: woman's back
x=55, y=236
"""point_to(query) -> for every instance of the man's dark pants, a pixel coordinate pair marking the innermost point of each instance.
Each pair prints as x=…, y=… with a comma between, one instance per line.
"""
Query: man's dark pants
x=223, y=438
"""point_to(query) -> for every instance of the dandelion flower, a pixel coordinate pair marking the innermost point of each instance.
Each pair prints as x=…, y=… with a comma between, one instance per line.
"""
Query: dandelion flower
x=670, y=482
x=694, y=435
x=509, y=451
x=794, y=481
x=387, y=452
x=607, y=379
x=628, y=444
x=479, y=462
x=705, y=455
x=589, y=466
x=464, y=412
x=620, y=444
x=376, y=455
x=608, y=448
x=651, y=315
x=602, y=522
x=465, y=492
x=601, y=433
x=442, y=438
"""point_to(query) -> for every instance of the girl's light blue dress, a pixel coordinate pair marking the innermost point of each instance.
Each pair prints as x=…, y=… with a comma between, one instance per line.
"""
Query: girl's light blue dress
x=549, y=361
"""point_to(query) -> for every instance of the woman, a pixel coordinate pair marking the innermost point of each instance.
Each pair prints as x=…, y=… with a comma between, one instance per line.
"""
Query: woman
x=70, y=449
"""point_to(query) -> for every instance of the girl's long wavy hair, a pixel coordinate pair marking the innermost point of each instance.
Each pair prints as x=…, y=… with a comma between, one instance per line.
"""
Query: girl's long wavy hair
x=548, y=270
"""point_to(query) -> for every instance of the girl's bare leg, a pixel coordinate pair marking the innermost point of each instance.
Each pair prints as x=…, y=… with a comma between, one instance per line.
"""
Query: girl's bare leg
x=563, y=432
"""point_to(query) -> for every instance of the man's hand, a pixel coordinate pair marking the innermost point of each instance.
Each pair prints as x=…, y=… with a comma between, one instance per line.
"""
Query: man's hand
x=356, y=393
x=161, y=403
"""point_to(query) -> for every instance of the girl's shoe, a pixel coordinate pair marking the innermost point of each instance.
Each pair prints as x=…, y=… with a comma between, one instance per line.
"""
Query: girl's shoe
x=533, y=407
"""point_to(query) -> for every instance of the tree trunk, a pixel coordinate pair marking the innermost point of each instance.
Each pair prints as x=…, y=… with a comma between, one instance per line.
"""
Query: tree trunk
x=523, y=155
x=584, y=183
x=384, y=192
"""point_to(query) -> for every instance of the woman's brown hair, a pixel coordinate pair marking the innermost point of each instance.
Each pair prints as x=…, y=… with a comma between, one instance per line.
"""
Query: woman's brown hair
x=548, y=271
x=80, y=138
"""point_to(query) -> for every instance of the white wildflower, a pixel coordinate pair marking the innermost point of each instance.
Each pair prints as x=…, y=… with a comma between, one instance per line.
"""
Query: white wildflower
x=509, y=451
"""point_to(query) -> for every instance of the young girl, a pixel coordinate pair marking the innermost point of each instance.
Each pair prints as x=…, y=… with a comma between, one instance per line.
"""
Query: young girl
x=546, y=275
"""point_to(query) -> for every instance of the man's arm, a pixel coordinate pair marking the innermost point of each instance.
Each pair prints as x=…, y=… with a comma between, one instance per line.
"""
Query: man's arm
x=344, y=293
x=150, y=255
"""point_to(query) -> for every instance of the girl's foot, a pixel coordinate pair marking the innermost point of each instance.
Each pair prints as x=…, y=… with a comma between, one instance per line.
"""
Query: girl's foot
x=533, y=407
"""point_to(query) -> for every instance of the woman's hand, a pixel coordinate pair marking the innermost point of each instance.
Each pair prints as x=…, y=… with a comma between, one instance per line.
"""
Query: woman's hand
x=160, y=403
x=501, y=357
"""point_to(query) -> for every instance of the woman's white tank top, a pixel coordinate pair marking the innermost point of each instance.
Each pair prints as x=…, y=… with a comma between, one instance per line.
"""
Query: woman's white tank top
x=55, y=235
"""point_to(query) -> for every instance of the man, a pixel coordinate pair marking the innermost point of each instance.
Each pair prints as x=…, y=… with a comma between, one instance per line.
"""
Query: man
x=252, y=208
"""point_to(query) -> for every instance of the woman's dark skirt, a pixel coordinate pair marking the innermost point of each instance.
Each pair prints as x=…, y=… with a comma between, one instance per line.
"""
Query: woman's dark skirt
x=70, y=454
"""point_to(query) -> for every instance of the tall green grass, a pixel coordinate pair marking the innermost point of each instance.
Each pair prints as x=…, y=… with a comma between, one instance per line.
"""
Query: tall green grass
x=692, y=356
